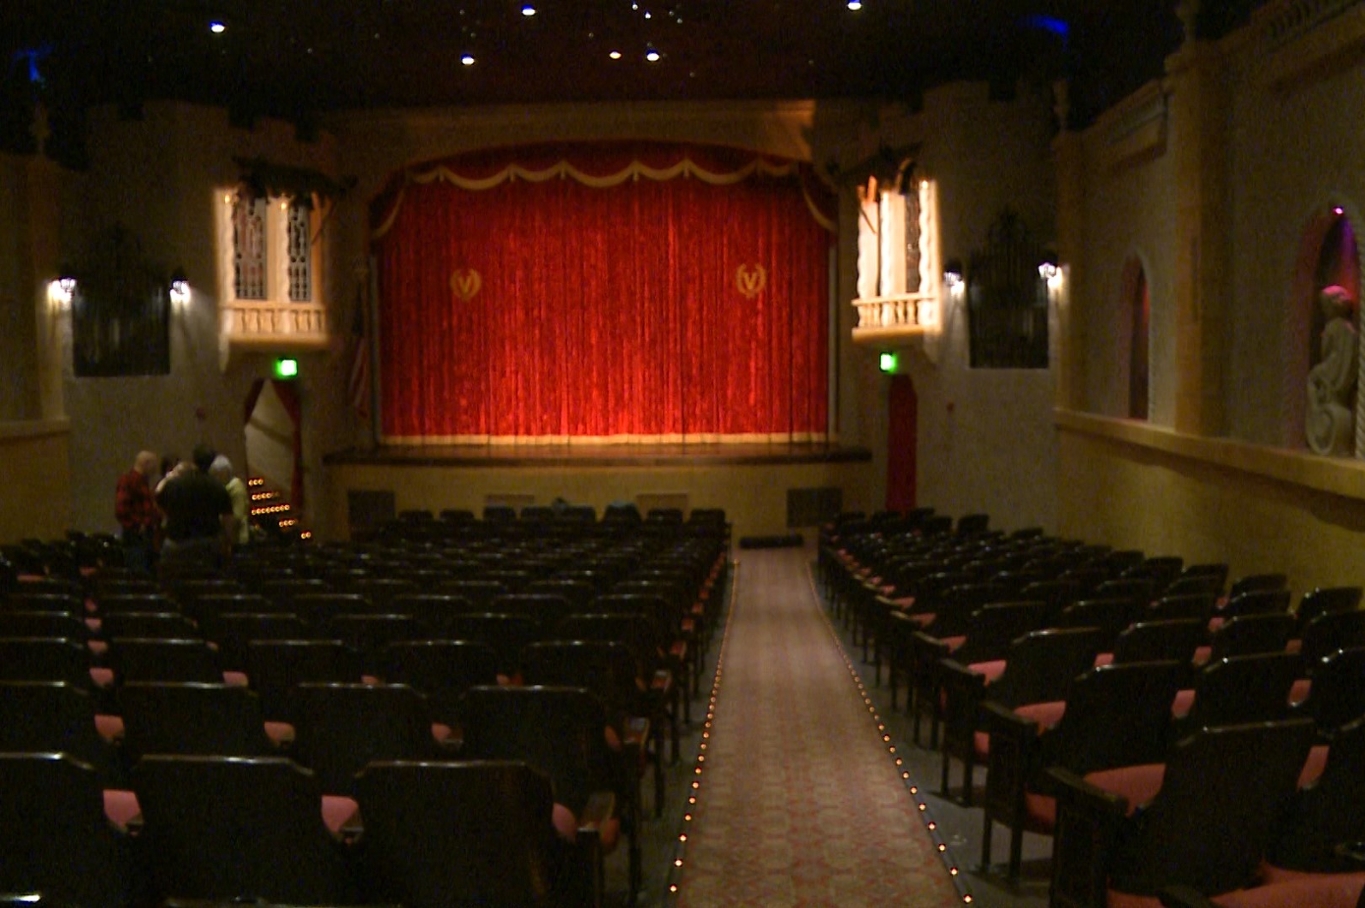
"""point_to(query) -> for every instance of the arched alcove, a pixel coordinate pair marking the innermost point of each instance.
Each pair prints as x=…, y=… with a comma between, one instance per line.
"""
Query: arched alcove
x=1328, y=258
x=1136, y=302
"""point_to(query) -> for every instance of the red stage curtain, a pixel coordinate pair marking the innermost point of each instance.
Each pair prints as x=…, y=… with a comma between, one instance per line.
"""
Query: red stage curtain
x=622, y=292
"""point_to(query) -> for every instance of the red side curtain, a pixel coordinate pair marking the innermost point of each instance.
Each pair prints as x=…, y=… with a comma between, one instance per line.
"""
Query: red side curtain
x=638, y=292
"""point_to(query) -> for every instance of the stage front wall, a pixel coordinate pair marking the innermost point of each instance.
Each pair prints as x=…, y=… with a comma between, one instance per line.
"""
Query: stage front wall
x=603, y=293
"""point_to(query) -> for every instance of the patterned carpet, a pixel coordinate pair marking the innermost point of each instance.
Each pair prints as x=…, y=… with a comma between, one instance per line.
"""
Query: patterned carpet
x=799, y=802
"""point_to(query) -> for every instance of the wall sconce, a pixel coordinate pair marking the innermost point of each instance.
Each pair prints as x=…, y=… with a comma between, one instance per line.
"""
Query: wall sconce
x=180, y=289
x=1051, y=272
x=62, y=290
x=952, y=274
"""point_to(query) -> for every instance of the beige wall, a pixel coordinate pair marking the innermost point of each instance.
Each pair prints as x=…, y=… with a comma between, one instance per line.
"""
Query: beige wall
x=37, y=484
x=1255, y=508
x=1285, y=148
x=754, y=497
x=158, y=176
x=986, y=441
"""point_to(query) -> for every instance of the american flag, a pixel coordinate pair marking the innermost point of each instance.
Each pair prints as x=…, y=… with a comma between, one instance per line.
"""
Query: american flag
x=359, y=381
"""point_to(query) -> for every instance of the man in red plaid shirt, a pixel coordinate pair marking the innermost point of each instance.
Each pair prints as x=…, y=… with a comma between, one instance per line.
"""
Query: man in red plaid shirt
x=136, y=511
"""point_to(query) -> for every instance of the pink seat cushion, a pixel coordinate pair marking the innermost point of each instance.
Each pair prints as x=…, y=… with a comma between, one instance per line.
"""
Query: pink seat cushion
x=1045, y=715
x=954, y=642
x=1319, y=890
x=1104, y=659
x=1202, y=654
x=1040, y=811
x=992, y=670
x=110, y=728
x=338, y=811
x=120, y=806
x=1313, y=766
x=1183, y=703
x=98, y=647
x=1138, y=784
x=1300, y=691
x=441, y=732
x=103, y=677
x=279, y=733
x=235, y=679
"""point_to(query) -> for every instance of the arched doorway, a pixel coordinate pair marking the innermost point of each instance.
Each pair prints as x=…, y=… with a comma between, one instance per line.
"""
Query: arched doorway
x=902, y=439
x=274, y=438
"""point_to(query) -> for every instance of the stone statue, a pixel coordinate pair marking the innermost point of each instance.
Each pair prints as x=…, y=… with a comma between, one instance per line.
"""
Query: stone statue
x=1330, y=421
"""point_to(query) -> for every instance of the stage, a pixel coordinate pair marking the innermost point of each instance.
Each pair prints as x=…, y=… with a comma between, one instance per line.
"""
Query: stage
x=765, y=488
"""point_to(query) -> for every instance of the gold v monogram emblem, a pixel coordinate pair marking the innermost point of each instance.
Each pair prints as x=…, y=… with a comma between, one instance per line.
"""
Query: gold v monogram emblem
x=465, y=284
x=750, y=280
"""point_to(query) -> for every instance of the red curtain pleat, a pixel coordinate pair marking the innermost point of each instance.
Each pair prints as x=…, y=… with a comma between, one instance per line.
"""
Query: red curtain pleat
x=650, y=308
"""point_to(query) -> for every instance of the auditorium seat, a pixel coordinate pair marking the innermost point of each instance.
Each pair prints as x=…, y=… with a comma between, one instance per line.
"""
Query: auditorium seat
x=1207, y=827
x=239, y=829
x=165, y=659
x=1238, y=689
x=59, y=717
x=1113, y=715
x=1318, y=890
x=991, y=630
x=438, y=834
x=341, y=727
x=55, y=838
x=1323, y=826
x=1038, y=668
x=232, y=632
x=1251, y=633
x=1336, y=696
x=1322, y=600
x=1256, y=602
x=192, y=718
x=564, y=733
x=442, y=670
x=1177, y=639
x=1329, y=632
x=507, y=634
x=274, y=667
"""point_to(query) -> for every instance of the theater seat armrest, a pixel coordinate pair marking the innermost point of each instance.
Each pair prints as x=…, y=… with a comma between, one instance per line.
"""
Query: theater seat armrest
x=1000, y=719
x=1085, y=798
x=1184, y=897
x=636, y=732
x=1088, y=821
x=601, y=807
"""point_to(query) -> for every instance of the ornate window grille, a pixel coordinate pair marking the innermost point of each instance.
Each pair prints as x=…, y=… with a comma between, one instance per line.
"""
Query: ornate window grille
x=249, y=248
x=300, y=252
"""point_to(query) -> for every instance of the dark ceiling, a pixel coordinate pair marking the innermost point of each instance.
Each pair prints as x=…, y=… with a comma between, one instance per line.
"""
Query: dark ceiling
x=299, y=59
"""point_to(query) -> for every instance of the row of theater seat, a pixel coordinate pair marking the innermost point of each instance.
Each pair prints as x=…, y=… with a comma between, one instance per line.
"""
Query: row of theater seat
x=263, y=649
x=1084, y=677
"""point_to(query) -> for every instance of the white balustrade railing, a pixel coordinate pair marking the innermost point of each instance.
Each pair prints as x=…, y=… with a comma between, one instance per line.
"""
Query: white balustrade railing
x=264, y=323
x=913, y=312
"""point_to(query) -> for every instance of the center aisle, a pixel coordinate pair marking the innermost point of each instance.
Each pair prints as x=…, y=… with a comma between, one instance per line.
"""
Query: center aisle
x=800, y=802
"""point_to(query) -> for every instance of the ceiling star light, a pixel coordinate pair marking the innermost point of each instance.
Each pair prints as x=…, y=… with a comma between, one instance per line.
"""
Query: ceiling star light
x=217, y=27
x=855, y=5
x=615, y=55
x=652, y=55
x=467, y=59
x=528, y=10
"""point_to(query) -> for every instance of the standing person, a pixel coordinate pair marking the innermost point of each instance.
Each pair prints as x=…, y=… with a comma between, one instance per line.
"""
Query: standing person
x=136, y=511
x=198, y=512
x=240, y=530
